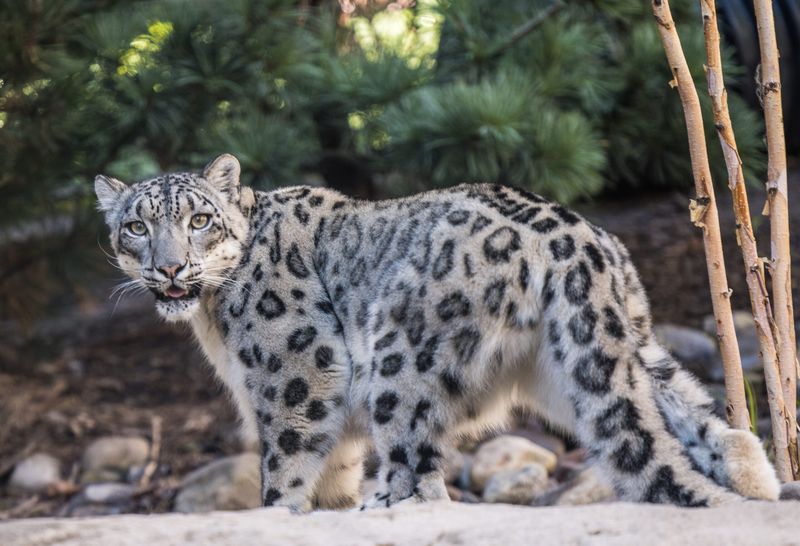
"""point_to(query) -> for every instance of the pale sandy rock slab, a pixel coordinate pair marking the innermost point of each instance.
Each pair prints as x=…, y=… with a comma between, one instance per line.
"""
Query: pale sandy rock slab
x=34, y=474
x=519, y=486
x=441, y=523
x=507, y=453
x=231, y=483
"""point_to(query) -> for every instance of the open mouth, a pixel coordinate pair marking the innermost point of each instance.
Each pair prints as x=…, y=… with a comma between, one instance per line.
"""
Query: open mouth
x=176, y=293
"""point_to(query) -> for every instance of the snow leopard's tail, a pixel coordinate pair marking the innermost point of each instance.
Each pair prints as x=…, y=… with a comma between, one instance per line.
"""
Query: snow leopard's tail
x=647, y=423
x=732, y=458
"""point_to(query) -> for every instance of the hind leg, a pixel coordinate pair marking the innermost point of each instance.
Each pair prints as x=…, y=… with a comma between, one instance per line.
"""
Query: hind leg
x=732, y=458
x=616, y=415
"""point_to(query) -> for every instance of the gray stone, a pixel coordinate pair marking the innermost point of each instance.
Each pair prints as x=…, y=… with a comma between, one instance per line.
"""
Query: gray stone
x=101, y=475
x=695, y=349
x=110, y=458
x=507, y=453
x=586, y=487
x=34, y=474
x=747, y=338
x=453, y=464
x=232, y=483
x=519, y=486
x=109, y=493
x=94, y=510
x=790, y=491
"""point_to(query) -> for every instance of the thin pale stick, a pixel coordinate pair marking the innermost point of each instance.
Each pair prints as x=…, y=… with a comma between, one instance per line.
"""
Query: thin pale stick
x=703, y=211
x=778, y=207
x=741, y=208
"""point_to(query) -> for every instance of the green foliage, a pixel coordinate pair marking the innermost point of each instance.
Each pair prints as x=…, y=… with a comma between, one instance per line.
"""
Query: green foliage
x=565, y=100
x=752, y=406
x=493, y=131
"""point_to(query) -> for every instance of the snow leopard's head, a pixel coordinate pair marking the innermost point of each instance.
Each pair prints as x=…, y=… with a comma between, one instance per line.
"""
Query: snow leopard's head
x=178, y=234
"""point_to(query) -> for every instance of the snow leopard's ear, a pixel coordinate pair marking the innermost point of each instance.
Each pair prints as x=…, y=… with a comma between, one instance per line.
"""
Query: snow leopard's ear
x=223, y=174
x=108, y=191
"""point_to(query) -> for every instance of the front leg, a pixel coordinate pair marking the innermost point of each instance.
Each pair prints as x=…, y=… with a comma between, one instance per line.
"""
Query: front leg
x=294, y=367
x=300, y=416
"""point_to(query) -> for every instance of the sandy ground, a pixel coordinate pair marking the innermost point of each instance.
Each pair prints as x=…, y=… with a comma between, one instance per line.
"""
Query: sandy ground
x=756, y=523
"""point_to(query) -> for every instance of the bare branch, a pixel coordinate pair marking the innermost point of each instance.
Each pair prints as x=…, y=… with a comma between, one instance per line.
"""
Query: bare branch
x=703, y=210
x=780, y=265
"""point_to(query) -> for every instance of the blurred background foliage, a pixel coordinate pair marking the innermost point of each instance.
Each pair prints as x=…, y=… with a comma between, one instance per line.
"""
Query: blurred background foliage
x=375, y=98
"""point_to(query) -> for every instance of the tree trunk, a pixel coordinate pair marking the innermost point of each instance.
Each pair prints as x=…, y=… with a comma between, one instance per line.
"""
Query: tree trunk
x=780, y=265
x=703, y=212
x=741, y=209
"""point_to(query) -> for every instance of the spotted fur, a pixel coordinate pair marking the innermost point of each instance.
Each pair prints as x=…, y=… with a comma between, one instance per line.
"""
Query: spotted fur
x=410, y=322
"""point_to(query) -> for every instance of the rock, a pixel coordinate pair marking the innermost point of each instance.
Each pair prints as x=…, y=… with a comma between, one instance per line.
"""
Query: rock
x=454, y=462
x=587, y=487
x=232, y=483
x=519, y=486
x=454, y=493
x=790, y=491
x=101, y=475
x=110, y=458
x=719, y=396
x=469, y=497
x=463, y=480
x=135, y=473
x=109, y=493
x=551, y=443
x=34, y=474
x=94, y=510
x=746, y=336
x=696, y=350
x=461, y=495
x=569, y=465
x=507, y=453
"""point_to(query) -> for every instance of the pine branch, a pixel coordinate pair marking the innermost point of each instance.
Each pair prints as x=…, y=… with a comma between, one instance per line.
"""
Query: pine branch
x=523, y=30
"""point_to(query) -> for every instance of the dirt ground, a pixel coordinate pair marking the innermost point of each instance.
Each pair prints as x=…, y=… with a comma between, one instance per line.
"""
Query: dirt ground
x=91, y=372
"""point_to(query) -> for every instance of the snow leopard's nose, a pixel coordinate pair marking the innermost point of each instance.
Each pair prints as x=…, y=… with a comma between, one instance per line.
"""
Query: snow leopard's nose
x=171, y=271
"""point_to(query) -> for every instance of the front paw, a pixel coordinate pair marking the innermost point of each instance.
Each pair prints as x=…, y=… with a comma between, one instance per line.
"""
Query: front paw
x=747, y=466
x=296, y=504
x=380, y=499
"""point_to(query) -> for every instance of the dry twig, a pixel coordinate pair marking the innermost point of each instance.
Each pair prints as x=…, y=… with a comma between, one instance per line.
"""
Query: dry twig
x=22, y=509
x=703, y=210
x=152, y=457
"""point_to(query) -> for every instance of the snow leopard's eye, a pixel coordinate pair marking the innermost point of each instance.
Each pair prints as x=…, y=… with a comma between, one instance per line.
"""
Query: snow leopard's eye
x=200, y=221
x=137, y=229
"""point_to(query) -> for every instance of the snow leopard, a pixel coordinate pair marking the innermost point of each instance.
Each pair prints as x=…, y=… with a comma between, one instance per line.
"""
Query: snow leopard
x=409, y=323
